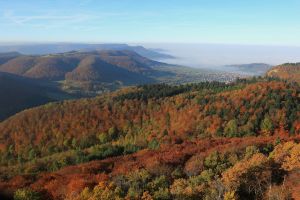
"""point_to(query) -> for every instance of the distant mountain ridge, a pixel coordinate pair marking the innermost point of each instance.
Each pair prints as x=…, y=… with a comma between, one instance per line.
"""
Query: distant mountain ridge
x=42, y=49
x=288, y=71
x=4, y=57
x=56, y=66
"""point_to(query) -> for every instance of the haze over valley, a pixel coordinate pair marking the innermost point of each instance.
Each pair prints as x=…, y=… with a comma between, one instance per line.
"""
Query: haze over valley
x=216, y=56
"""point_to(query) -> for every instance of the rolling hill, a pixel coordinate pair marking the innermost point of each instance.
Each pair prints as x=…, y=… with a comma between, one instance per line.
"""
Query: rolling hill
x=129, y=60
x=55, y=67
x=94, y=69
x=51, y=67
x=85, y=73
x=19, y=65
x=288, y=71
x=4, y=57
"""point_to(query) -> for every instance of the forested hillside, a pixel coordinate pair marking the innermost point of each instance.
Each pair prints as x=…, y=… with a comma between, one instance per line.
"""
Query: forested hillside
x=56, y=66
x=4, y=57
x=288, y=71
x=183, y=141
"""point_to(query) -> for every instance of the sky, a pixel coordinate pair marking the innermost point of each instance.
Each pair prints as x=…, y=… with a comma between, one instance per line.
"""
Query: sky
x=259, y=22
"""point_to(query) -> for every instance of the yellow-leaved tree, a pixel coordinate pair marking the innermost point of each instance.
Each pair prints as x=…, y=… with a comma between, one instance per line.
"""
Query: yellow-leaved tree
x=250, y=176
x=287, y=155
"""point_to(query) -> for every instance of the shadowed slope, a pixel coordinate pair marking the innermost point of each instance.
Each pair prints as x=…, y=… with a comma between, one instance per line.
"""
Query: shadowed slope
x=18, y=93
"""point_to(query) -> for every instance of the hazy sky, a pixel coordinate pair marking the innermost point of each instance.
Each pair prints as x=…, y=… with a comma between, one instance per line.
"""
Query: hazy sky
x=180, y=21
x=214, y=55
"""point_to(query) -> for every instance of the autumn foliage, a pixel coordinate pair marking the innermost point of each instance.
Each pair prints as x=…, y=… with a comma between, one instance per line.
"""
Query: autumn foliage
x=197, y=141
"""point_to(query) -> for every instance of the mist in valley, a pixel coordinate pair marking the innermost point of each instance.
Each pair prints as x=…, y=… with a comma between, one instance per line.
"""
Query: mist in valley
x=222, y=56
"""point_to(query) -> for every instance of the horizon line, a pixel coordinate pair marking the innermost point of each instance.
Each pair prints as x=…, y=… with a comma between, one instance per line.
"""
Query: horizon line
x=11, y=43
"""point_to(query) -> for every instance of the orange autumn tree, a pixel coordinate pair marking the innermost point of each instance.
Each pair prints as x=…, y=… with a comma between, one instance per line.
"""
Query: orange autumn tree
x=288, y=155
x=248, y=176
x=103, y=191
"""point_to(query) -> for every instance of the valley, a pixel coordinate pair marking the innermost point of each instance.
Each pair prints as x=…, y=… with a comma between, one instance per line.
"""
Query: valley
x=73, y=75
